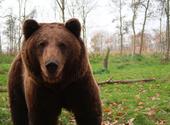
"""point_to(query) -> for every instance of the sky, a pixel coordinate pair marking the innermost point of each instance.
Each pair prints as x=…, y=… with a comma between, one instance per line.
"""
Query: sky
x=99, y=19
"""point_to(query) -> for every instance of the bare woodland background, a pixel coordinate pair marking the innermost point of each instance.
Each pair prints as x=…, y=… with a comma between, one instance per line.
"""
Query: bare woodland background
x=125, y=37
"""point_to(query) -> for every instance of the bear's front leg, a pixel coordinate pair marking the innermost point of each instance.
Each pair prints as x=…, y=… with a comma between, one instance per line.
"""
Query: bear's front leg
x=44, y=105
x=19, y=111
x=88, y=120
x=84, y=101
x=88, y=113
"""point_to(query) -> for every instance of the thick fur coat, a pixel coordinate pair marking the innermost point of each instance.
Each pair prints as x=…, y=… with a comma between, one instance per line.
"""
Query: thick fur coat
x=52, y=72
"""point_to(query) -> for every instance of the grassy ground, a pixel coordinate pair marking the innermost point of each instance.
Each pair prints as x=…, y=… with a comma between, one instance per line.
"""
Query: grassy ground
x=148, y=103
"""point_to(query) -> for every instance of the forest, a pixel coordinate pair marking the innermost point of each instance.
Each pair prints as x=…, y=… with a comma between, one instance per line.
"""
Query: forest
x=137, y=25
x=128, y=48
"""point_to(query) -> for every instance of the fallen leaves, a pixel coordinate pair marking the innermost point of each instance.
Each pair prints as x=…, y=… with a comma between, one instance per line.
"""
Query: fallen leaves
x=117, y=117
x=3, y=98
x=157, y=94
x=150, y=87
x=135, y=100
x=153, y=98
x=119, y=113
x=107, y=110
x=105, y=100
x=130, y=122
x=137, y=97
x=140, y=103
x=140, y=107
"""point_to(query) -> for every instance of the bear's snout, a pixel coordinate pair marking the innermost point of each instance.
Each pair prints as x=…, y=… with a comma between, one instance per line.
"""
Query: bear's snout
x=51, y=66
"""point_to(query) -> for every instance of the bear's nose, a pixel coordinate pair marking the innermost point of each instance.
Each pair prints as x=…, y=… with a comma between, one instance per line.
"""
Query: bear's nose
x=51, y=66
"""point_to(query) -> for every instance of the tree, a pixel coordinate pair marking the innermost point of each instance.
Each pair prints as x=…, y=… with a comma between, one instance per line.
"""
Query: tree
x=105, y=63
x=167, y=32
x=165, y=8
x=121, y=32
x=144, y=22
x=123, y=27
x=72, y=7
x=113, y=41
x=160, y=36
x=22, y=15
x=10, y=31
x=159, y=40
x=19, y=23
x=146, y=41
x=134, y=7
x=85, y=7
x=108, y=43
x=99, y=40
x=61, y=4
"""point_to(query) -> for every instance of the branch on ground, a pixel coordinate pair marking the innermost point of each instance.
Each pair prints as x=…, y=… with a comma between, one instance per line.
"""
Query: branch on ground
x=130, y=81
x=116, y=81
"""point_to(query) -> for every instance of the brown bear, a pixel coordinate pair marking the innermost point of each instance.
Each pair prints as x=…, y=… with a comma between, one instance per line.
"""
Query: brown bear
x=52, y=72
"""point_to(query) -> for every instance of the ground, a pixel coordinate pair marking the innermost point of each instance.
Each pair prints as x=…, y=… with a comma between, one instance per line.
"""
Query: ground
x=148, y=103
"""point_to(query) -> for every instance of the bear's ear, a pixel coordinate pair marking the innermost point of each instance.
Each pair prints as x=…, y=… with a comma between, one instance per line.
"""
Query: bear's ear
x=74, y=26
x=29, y=27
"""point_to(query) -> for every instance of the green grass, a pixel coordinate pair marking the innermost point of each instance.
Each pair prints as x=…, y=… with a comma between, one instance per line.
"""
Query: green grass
x=6, y=59
x=148, y=102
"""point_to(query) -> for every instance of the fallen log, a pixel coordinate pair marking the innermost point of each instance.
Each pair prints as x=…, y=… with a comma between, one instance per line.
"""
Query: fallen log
x=115, y=81
x=130, y=81
x=126, y=81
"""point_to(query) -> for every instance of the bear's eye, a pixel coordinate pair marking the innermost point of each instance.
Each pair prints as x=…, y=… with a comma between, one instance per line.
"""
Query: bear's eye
x=42, y=45
x=62, y=46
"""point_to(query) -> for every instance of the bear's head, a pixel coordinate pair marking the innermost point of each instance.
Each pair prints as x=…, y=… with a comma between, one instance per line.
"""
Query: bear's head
x=54, y=52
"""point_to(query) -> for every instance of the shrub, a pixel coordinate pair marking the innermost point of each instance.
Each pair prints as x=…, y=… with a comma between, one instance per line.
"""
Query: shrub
x=101, y=71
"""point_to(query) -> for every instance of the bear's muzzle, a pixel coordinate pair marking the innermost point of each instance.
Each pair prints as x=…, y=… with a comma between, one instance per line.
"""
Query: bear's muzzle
x=51, y=66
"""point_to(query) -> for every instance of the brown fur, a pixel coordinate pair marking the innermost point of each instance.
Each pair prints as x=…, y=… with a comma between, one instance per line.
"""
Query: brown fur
x=36, y=96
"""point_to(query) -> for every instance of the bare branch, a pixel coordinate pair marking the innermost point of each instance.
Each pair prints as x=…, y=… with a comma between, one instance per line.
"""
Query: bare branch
x=131, y=81
x=59, y=4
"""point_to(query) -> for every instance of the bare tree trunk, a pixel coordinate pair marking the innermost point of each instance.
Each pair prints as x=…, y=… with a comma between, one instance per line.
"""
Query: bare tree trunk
x=10, y=48
x=134, y=41
x=62, y=8
x=0, y=45
x=85, y=7
x=25, y=3
x=12, y=39
x=143, y=28
x=161, y=47
x=167, y=34
x=101, y=44
x=133, y=27
x=84, y=31
x=106, y=59
x=19, y=25
x=84, y=25
x=121, y=33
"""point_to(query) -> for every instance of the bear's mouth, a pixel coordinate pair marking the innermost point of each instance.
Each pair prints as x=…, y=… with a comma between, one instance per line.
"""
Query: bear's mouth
x=51, y=76
x=51, y=79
